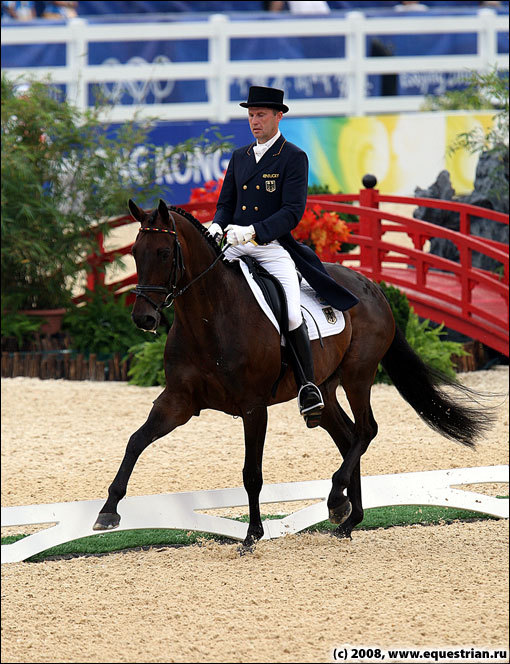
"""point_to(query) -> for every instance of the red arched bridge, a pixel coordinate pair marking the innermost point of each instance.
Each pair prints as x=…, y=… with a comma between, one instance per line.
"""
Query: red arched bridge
x=393, y=248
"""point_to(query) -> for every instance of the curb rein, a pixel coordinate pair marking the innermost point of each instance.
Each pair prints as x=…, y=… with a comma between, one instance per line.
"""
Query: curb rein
x=178, y=270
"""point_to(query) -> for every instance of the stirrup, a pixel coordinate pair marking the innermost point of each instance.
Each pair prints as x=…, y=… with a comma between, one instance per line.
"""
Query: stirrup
x=315, y=407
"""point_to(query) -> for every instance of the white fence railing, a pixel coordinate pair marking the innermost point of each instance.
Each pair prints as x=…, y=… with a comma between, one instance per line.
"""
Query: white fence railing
x=220, y=70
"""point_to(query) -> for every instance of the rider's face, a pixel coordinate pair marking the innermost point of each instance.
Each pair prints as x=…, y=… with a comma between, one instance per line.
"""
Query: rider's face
x=264, y=122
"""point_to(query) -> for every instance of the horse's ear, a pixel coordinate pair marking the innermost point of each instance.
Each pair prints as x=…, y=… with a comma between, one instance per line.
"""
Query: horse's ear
x=163, y=212
x=136, y=213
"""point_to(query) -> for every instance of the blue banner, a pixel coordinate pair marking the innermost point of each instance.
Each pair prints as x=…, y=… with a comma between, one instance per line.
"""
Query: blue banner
x=298, y=87
x=178, y=174
x=176, y=179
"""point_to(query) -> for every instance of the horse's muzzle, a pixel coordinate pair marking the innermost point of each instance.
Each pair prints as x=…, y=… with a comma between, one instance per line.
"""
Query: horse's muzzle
x=147, y=322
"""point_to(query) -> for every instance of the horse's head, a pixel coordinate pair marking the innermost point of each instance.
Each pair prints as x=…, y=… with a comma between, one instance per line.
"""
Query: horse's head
x=159, y=264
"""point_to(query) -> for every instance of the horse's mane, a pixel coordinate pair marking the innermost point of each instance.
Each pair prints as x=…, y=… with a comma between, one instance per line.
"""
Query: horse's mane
x=201, y=229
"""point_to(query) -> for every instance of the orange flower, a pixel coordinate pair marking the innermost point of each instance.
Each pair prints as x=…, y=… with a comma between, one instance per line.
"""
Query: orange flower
x=323, y=231
x=209, y=193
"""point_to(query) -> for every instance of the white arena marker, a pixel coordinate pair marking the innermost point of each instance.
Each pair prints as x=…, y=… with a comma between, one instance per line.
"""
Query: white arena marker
x=178, y=510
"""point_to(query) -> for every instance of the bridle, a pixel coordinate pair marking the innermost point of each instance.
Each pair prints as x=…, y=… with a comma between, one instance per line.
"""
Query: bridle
x=176, y=273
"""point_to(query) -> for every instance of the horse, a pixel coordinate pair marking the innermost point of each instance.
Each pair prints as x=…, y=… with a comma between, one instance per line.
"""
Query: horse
x=222, y=352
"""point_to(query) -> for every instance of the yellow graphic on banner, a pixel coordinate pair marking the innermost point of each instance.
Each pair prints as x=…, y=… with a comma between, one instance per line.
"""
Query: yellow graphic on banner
x=461, y=164
x=418, y=152
x=404, y=152
x=363, y=147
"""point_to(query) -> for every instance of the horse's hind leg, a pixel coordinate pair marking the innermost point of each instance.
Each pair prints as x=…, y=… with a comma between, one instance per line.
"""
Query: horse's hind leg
x=341, y=428
x=363, y=432
x=255, y=425
x=167, y=413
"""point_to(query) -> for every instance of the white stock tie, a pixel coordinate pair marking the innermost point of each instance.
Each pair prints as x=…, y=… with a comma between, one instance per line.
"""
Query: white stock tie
x=259, y=151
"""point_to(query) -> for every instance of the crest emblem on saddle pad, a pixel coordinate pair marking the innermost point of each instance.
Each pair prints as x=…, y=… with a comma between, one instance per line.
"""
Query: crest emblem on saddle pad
x=330, y=315
x=270, y=185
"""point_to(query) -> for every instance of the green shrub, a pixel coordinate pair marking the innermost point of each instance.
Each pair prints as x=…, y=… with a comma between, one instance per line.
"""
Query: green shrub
x=102, y=325
x=61, y=174
x=399, y=304
x=424, y=339
x=427, y=343
x=65, y=172
x=20, y=326
x=147, y=366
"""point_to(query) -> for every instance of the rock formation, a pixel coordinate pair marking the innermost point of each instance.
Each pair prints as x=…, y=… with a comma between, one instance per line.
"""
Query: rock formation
x=490, y=191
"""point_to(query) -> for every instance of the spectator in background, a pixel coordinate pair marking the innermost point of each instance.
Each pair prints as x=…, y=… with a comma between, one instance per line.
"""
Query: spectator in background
x=389, y=82
x=18, y=11
x=410, y=6
x=56, y=9
x=299, y=7
x=8, y=13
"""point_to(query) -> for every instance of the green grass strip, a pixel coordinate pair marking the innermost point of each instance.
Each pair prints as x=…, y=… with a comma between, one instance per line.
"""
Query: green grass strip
x=378, y=517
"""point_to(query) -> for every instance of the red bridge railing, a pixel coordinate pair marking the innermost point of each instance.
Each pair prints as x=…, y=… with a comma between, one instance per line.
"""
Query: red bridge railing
x=392, y=248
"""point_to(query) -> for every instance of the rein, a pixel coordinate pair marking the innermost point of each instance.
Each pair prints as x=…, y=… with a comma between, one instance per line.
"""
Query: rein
x=178, y=269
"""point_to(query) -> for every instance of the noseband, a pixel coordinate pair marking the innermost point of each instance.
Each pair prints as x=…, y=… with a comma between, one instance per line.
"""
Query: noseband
x=178, y=269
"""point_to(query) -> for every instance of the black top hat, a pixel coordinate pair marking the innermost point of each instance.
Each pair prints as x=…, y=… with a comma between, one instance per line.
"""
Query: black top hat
x=266, y=97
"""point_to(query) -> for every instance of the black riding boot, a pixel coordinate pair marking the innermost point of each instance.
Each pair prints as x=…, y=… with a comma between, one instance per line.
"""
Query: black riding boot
x=309, y=396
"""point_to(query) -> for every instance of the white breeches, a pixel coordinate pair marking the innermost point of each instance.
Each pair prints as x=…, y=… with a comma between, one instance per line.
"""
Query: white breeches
x=278, y=262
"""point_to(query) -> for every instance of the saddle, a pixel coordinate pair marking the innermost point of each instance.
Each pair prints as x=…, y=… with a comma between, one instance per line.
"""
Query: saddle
x=272, y=290
x=274, y=294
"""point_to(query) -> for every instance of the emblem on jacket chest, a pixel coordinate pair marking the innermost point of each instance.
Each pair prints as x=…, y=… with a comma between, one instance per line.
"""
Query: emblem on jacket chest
x=270, y=180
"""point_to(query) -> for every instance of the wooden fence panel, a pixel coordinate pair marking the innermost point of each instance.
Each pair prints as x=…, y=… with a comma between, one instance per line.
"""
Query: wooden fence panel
x=46, y=363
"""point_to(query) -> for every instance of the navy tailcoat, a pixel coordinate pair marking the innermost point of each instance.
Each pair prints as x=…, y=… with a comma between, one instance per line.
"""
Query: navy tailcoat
x=271, y=195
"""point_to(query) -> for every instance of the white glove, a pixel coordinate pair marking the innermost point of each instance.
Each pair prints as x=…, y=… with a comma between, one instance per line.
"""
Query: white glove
x=239, y=234
x=216, y=231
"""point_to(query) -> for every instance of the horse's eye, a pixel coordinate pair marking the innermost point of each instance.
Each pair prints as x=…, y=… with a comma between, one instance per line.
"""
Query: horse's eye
x=164, y=254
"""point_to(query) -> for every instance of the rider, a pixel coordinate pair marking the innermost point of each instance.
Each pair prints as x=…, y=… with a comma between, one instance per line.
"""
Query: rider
x=262, y=199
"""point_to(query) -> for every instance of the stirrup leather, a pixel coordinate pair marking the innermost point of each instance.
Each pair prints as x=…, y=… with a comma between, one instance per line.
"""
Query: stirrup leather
x=319, y=403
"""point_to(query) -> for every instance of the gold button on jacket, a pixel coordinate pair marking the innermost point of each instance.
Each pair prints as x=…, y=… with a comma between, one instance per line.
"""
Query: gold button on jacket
x=244, y=207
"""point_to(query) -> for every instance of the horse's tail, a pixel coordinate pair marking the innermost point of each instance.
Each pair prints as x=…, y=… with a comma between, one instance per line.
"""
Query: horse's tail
x=422, y=387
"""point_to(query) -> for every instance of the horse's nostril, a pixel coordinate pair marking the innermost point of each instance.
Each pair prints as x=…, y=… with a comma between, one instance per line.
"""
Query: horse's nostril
x=146, y=322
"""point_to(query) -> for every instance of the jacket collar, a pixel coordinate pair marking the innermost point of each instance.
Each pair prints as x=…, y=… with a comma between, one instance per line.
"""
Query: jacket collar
x=250, y=168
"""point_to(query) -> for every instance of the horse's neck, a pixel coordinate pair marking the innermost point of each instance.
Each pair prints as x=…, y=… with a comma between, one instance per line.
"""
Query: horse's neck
x=211, y=283
x=220, y=298
x=198, y=255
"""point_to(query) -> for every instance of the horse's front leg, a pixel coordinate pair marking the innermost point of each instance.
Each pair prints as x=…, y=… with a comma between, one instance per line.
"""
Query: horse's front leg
x=168, y=412
x=255, y=425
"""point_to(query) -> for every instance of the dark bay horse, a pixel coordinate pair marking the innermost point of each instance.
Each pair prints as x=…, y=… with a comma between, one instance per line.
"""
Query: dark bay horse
x=223, y=353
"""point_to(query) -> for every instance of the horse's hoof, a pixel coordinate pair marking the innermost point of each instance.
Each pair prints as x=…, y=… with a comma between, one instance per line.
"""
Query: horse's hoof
x=342, y=532
x=243, y=549
x=248, y=546
x=106, y=521
x=341, y=513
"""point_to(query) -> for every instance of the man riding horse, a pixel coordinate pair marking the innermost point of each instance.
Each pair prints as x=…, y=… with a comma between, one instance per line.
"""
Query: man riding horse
x=262, y=199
